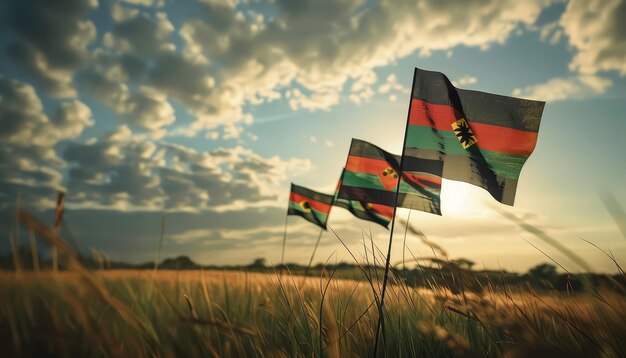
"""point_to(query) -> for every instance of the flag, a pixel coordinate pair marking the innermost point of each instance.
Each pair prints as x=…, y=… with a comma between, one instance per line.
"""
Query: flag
x=309, y=204
x=371, y=176
x=381, y=214
x=484, y=139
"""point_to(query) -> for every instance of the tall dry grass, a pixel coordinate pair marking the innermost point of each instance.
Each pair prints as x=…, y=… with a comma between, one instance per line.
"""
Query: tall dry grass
x=215, y=313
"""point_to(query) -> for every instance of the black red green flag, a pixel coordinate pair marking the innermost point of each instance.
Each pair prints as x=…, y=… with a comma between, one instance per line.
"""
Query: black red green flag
x=309, y=204
x=371, y=176
x=484, y=139
x=378, y=213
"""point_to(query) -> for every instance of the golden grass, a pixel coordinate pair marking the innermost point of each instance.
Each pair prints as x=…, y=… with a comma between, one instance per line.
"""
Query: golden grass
x=224, y=313
x=219, y=313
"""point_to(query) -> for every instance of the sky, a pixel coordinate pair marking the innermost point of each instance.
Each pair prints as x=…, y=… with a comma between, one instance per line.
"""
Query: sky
x=201, y=113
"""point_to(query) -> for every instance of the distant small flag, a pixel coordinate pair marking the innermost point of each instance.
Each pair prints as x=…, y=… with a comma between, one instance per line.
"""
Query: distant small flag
x=309, y=204
x=381, y=214
x=371, y=176
x=484, y=139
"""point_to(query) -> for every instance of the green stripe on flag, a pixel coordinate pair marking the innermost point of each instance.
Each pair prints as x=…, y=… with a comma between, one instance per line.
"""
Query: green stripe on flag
x=371, y=181
x=322, y=217
x=503, y=164
x=362, y=180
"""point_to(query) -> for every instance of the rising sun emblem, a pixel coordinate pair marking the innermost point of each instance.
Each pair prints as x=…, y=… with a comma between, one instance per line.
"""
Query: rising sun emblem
x=464, y=133
x=305, y=205
x=390, y=172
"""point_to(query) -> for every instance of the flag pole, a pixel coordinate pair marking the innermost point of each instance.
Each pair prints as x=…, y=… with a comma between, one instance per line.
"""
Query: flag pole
x=393, y=221
x=317, y=243
x=282, y=257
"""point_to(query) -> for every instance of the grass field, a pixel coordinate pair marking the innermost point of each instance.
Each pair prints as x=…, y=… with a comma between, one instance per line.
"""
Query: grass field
x=217, y=313
x=135, y=313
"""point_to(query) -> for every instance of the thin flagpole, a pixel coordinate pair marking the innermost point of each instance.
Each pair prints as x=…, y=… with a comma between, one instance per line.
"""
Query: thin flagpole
x=282, y=257
x=317, y=243
x=393, y=222
x=404, y=243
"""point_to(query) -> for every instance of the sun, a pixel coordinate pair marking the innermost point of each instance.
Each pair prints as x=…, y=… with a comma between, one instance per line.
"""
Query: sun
x=459, y=198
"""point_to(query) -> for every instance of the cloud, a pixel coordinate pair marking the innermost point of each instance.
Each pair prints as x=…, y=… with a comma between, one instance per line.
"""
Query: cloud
x=597, y=30
x=139, y=33
x=361, y=90
x=393, y=88
x=25, y=125
x=257, y=55
x=146, y=3
x=125, y=172
x=28, y=137
x=568, y=88
x=391, y=84
x=465, y=80
x=313, y=55
x=551, y=32
x=49, y=39
x=233, y=54
x=105, y=79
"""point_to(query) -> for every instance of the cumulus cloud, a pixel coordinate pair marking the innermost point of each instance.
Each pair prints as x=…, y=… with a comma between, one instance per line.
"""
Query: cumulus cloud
x=25, y=124
x=313, y=55
x=28, y=161
x=139, y=33
x=597, y=30
x=464, y=81
x=361, y=90
x=257, y=55
x=237, y=54
x=105, y=80
x=124, y=172
x=551, y=33
x=391, y=84
x=49, y=39
x=146, y=3
x=393, y=88
x=565, y=88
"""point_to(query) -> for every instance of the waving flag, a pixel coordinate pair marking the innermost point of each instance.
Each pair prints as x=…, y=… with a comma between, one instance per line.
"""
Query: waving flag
x=484, y=139
x=309, y=204
x=381, y=214
x=371, y=176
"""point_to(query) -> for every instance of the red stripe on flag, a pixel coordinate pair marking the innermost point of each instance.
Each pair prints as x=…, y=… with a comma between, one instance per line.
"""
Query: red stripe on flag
x=503, y=139
x=433, y=182
x=372, y=166
x=384, y=210
x=438, y=116
x=319, y=206
x=366, y=165
x=490, y=137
